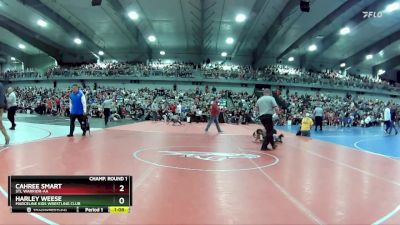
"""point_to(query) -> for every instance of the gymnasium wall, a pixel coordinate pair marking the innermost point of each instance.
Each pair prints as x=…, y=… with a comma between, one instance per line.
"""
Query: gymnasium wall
x=40, y=62
x=392, y=75
x=193, y=55
x=11, y=66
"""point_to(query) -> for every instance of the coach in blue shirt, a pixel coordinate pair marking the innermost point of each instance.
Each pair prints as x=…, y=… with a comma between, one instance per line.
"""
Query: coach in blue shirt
x=77, y=105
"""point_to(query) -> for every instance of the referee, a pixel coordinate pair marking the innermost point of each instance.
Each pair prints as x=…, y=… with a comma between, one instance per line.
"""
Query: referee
x=12, y=107
x=77, y=105
x=107, y=104
x=318, y=113
x=266, y=105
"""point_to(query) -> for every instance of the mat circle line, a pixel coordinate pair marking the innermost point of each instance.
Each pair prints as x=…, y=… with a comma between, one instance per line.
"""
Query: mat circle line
x=137, y=152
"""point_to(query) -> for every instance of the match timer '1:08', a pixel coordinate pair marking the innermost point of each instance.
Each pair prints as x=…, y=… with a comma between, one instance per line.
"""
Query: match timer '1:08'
x=88, y=194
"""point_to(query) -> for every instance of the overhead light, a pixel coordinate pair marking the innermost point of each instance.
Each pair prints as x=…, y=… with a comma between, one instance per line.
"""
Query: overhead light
x=101, y=52
x=78, y=41
x=12, y=58
x=133, y=15
x=312, y=48
x=42, y=23
x=291, y=59
x=381, y=53
x=380, y=72
x=21, y=46
x=162, y=52
x=240, y=18
x=224, y=54
x=342, y=65
x=344, y=31
x=392, y=7
x=152, y=38
x=368, y=57
x=229, y=40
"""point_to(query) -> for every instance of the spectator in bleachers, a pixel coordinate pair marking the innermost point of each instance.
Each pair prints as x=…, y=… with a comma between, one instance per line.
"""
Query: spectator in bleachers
x=137, y=105
x=393, y=116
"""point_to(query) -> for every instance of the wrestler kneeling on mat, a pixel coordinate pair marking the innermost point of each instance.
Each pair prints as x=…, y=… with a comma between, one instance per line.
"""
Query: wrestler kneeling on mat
x=260, y=134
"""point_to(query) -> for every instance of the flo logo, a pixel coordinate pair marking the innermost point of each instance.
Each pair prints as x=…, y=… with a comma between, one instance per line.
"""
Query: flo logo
x=372, y=14
x=211, y=156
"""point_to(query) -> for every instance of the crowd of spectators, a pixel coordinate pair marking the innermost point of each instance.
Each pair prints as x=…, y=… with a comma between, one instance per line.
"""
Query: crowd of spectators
x=27, y=73
x=176, y=69
x=94, y=70
x=285, y=74
x=338, y=110
x=193, y=105
x=272, y=73
x=141, y=104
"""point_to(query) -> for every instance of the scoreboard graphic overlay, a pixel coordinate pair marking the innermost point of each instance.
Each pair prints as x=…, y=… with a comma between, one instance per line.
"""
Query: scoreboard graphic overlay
x=70, y=194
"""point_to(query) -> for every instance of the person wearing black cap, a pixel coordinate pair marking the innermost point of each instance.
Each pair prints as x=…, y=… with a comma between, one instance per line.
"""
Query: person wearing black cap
x=3, y=106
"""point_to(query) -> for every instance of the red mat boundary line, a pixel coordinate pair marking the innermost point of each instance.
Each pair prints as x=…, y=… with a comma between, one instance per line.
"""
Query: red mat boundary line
x=390, y=214
x=292, y=199
x=348, y=166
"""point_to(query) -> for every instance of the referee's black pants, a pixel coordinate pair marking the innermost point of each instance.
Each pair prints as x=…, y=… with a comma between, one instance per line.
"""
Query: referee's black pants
x=107, y=113
x=11, y=115
x=318, y=122
x=266, y=121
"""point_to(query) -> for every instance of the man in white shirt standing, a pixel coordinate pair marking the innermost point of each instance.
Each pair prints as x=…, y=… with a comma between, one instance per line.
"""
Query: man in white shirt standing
x=318, y=114
x=154, y=111
x=107, y=105
x=179, y=109
x=12, y=107
x=387, y=118
x=199, y=114
x=367, y=121
x=266, y=107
